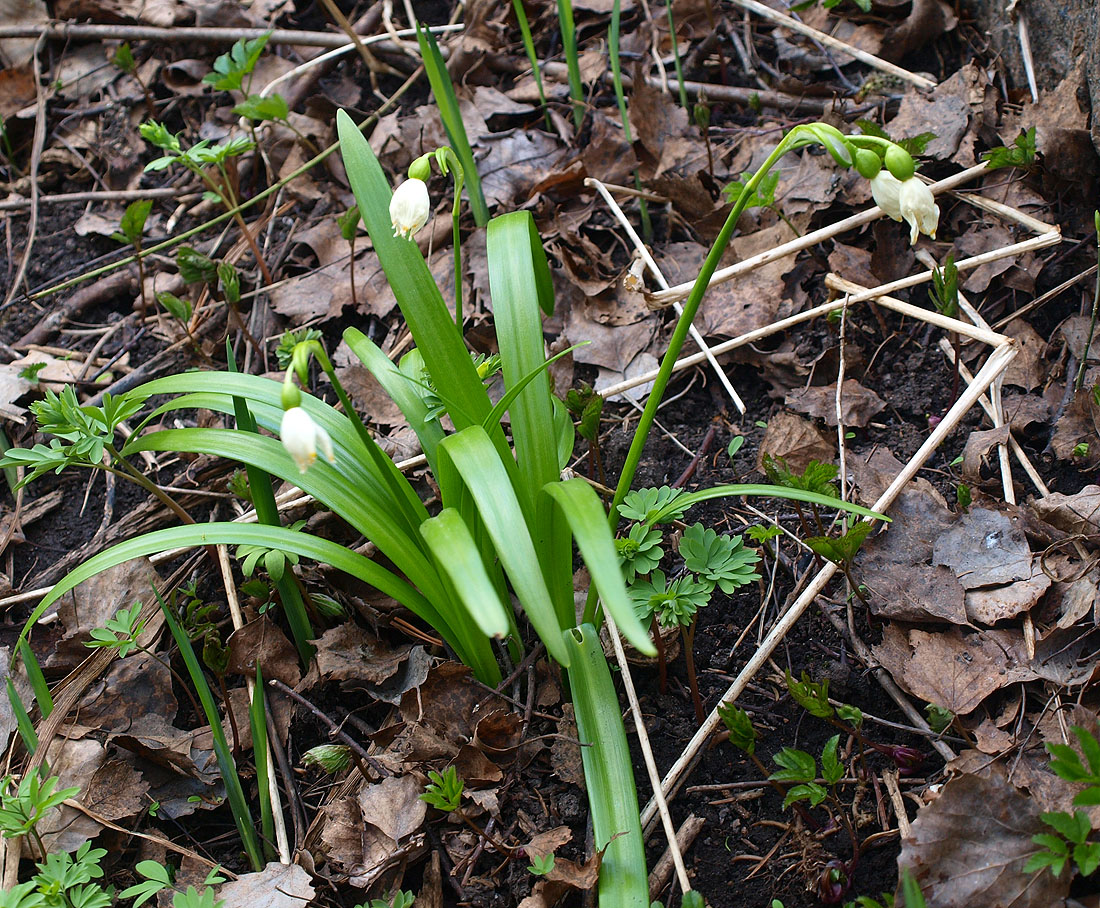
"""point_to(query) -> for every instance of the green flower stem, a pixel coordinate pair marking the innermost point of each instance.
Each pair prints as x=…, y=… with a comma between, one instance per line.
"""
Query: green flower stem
x=125, y=470
x=450, y=159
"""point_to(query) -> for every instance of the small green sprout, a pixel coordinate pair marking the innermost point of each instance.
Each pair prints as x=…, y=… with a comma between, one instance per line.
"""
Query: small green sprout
x=723, y=560
x=1021, y=153
x=120, y=632
x=736, y=443
x=444, y=791
x=1081, y=449
x=540, y=866
x=939, y=719
x=646, y=505
x=640, y=550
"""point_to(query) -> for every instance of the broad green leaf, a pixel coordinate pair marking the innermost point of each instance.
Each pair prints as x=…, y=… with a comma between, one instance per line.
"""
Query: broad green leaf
x=798, y=766
x=612, y=792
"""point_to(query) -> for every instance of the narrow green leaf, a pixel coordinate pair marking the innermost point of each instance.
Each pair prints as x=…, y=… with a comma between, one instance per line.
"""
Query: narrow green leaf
x=23, y=721
x=586, y=518
x=37, y=679
x=242, y=816
x=469, y=464
x=612, y=792
x=458, y=556
x=444, y=93
x=572, y=62
x=764, y=491
x=257, y=722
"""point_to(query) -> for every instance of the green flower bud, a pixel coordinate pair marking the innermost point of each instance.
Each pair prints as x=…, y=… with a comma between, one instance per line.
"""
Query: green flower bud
x=421, y=168
x=868, y=163
x=330, y=757
x=899, y=162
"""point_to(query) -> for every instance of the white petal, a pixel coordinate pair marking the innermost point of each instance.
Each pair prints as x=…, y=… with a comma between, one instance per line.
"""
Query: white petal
x=299, y=435
x=409, y=208
x=918, y=207
x=885, y=189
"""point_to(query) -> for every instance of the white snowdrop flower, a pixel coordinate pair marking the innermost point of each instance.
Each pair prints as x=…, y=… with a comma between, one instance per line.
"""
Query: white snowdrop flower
x=302, y=437
x=409, y=207
x=919, y=208
x=909, y=200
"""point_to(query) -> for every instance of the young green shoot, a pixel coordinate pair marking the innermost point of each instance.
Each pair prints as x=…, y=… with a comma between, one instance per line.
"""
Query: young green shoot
x=532, y=57
x=130, y=230
x=572, y=61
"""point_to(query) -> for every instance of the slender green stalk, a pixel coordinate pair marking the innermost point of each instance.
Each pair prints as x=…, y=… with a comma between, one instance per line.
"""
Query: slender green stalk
x=572, y=63
x=37, y=679
x=242, y=816
x=532, y=57
x=676, y=58
x=267, y=513
x=23, y=722
x=620, y=99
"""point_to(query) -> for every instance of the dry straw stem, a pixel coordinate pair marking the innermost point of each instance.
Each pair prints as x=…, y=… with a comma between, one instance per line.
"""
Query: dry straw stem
x=660, y=278
x=647, y=753
x=994, y=366
x=212, y=35
x=794, y=25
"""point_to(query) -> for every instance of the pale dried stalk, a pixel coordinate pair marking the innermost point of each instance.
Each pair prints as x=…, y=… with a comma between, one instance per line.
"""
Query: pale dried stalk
x=994, y=366
x=660, y=278
x=766, y=12
x=647, y=753
x=272, y=783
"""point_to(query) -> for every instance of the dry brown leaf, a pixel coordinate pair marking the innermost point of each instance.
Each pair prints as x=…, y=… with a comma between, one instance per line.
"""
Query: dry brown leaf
x=980, y=237
x=1061, y=128
x=978, y=448
x=1077, y=426
x=276, y=886
x=998, y=603
x=393, y=806
x=946, y=111
x=262, y=641
x=796, y=440
x=859, y=405
x=548, y=842
x=15, y=52
x=1077, y=513
x=915, y=593
x=984, y=548
x=660, y=126
x=970, y=845
x=351, y=653
x=1027, y=370
x=565, y=752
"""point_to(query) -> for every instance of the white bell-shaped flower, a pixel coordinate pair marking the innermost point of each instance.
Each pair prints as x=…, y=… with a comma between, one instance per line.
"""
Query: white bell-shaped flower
x=907, y=200
x=409, y=207
x=302, y=438
x=919, y=208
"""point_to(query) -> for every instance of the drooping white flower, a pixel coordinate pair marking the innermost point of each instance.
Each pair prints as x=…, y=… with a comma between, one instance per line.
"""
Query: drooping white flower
x=886, y=191
x=302, y=438
x=919, y=208
x=909, y=200
x=409, y=207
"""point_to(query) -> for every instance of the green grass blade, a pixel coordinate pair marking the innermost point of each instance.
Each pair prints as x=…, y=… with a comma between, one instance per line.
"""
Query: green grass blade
x=572, y=63
x=501, y=406
x=421, y=303
x=444, y=93
x=470, y=465
x=37, y=679
x=766, y=491
x=458, y=555
x=23, y=722
x=612, y=794
x=520, y=284
x=257, y=721
x=588, y=522
x=242, y=816
x=202, y=534
x=402, y=391
x=676, y=59
x=620, y=100
x=532, y=57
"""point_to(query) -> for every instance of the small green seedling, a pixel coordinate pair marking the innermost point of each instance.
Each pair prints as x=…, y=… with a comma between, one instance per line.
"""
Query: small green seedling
x=397, y=899
x=1021, y=153
x=130, y=230
x=444, y=791
x=540, y=866
x=158, y=877
x=1081, y=449
x=585, y=405
x=735, y=445
x=120, y=632
x=349, y=229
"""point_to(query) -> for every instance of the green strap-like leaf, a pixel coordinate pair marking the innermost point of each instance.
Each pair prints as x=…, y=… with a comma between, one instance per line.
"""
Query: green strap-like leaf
x=519, y=280
x=612, y=792
x=469, y=465
x=588, y=521
x=765, y=491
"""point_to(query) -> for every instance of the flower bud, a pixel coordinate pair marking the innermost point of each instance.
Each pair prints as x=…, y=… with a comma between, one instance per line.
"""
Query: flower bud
x=330, y=757
x=421, y=168
x=302, y=437
x=868, y=163
x=899, y=162
x=409, y=207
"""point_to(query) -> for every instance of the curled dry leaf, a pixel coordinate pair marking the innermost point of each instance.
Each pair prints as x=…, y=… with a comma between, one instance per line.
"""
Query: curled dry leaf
x=970, y=845
x=276, y=886
x=1077, y=513
x=796, y=440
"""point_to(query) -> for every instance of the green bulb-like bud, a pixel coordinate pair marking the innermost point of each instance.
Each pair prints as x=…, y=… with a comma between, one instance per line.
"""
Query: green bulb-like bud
x=900, y=163
x=421, y=168
x=868, y=163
